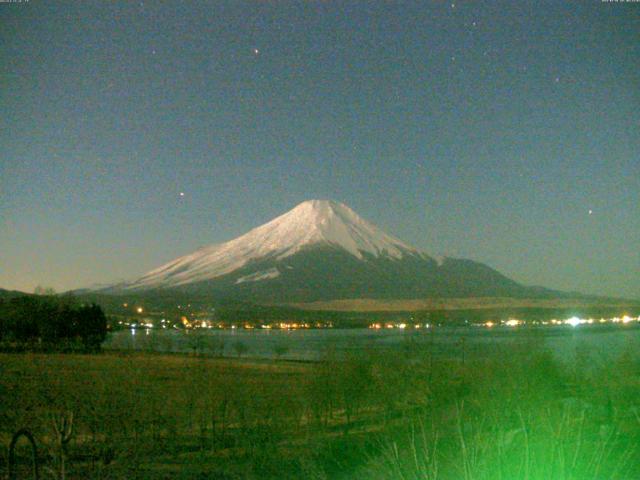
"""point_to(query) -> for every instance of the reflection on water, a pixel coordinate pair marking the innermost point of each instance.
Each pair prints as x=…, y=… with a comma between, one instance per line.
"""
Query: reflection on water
x=602, y=342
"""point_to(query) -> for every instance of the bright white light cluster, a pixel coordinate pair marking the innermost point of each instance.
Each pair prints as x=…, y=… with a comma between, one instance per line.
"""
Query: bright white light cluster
x=575, y=321
x=572, y=321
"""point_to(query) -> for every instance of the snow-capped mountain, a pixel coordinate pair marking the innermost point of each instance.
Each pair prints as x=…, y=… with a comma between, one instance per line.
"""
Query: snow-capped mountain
x=314, y=222
x=320, y=250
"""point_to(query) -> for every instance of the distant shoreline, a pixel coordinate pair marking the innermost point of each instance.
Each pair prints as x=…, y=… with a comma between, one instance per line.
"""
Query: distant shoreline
x=411, y=305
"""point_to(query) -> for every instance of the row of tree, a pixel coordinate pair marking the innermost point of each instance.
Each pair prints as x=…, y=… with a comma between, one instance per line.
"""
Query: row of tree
x=51, y=323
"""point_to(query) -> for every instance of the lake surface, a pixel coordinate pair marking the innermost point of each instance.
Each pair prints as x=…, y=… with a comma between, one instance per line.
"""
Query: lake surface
x=603, y=343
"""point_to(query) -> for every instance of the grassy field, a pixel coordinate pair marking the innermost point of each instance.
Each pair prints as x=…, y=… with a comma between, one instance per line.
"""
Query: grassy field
x=506, y=413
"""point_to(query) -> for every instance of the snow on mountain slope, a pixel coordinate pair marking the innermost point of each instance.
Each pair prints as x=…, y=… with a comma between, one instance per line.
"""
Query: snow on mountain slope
x=311, y=222
x=263, y=275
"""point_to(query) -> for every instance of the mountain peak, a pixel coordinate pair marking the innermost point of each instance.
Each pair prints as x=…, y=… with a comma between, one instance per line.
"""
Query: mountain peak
x=309, y=223
x=319, y=211
x=314, y=210
x=317, y=204
x=335, y=223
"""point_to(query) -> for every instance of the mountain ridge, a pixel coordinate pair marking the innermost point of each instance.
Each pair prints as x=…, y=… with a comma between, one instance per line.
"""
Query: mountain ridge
x=323, y=250
x=309, y=223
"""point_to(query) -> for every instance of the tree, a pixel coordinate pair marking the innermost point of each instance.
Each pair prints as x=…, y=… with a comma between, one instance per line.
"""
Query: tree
x=280, y=349
x=91, y=326
x=44, y=291
x=240, y=348
x=53, y=322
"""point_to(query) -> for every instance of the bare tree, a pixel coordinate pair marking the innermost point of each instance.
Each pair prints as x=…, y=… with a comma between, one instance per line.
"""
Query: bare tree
x=240, y=348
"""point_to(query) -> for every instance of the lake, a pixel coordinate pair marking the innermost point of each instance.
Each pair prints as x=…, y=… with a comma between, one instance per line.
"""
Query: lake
x=602, y=342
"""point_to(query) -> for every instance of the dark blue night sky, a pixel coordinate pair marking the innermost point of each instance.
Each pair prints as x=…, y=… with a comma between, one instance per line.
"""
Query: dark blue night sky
x=505, y=132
